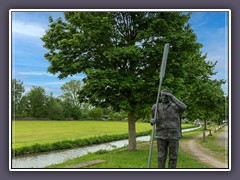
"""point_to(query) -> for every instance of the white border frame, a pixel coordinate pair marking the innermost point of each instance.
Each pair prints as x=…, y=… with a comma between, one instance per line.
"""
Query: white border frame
x=101, y=10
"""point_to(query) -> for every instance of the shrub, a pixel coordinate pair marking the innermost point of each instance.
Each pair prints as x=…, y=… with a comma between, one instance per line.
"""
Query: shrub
x=68, y=144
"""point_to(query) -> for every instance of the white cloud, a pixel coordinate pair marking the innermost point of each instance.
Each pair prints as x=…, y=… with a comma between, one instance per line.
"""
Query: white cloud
x=56, y=91
x=35, y=73
x=54, y=83
x=27, y=29
x=217, y=48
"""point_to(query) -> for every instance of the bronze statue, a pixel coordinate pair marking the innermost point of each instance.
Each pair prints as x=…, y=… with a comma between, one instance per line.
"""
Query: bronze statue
x=168, y=131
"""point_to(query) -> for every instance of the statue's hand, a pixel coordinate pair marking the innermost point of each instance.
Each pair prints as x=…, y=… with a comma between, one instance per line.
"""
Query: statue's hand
x=167, y=94
x=152, y=122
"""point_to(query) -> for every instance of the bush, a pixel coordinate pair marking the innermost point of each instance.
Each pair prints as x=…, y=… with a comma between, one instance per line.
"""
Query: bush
x=76, y=113
x=55, y=111
x=95, y=113
x=68, y=144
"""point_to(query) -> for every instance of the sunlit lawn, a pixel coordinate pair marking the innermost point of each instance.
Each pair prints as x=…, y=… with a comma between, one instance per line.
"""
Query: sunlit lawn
x=31, y=132
x=25, y=133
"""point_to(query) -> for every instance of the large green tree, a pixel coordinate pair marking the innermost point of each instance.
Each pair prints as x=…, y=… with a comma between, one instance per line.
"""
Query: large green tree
x=120, y=53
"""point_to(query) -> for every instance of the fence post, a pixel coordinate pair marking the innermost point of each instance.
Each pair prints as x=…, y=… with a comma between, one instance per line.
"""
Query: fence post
x=210, y=132
x=204, y=136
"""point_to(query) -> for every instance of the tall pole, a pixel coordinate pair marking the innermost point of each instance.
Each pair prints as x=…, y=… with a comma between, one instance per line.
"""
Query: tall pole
x=162, y=74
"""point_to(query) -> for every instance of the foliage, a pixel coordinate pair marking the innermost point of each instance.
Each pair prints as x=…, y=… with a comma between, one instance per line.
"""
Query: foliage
x=76, y=112
x=67, y=109
x=54, y=109
x=208, y=102
x=70, y=90
x=37, y=104
x=68, y=144
x=111, y=115
x=95, y=113
x=121, y=115
x=17, y=94
x=37, y=101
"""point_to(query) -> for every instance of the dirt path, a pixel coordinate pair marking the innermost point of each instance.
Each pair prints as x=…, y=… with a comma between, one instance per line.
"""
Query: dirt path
x=222, y=138
x=204, y=154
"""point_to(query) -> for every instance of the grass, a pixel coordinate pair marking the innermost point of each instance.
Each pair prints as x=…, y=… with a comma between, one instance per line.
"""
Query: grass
x=28, y=133
x=118, y=158
x=122, y=158
x=25, y=133
x=189, y=125
x=217, y=151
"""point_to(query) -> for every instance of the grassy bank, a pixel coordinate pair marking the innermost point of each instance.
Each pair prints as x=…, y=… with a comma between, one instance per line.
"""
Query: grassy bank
x=122, y=158
x=68, y=144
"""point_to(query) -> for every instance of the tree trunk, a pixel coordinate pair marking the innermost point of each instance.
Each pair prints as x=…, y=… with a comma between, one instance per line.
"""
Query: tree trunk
x=205, y=125
x=131, y=131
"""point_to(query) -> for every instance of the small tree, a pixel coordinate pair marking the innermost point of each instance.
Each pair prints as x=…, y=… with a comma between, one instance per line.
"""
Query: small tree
x=208, y=100
x=54, y=109
x=17, y=94
x=37, y=101
x=76, y=112
x=111, y=115
x=70, y=92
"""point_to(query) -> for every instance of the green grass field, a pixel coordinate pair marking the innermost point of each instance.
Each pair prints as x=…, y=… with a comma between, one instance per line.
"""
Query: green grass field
x=26, y=133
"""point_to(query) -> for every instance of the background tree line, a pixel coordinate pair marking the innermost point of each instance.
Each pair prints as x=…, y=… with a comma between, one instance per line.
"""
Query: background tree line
x=37, y=104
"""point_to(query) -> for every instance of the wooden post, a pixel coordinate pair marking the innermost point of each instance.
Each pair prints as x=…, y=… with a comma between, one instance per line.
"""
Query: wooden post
x=210, y=132
x=204, y=136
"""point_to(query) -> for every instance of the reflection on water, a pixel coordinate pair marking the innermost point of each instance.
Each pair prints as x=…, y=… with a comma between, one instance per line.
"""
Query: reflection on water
x=56, y=157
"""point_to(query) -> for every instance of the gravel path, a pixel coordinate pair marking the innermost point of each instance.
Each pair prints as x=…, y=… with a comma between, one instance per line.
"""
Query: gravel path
x=205, y=155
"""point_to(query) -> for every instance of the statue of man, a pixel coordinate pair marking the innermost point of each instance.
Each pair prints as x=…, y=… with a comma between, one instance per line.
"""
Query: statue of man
x=168, y=128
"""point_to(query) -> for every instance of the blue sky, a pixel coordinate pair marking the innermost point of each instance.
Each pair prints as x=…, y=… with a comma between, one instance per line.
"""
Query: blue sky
x=30, y=66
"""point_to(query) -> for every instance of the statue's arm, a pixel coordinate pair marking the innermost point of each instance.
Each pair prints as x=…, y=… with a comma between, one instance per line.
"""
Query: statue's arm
x=179, y=103
x=153, y=121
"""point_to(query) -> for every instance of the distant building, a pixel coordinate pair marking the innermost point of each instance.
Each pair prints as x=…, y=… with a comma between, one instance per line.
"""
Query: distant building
x=198, y=121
